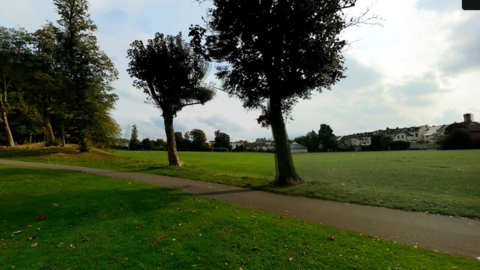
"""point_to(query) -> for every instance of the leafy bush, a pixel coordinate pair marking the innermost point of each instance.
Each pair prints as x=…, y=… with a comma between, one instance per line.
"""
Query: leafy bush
x=399, y=145
x=458, y=139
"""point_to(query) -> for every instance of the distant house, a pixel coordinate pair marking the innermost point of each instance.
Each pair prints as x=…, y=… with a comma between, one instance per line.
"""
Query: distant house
x=235, y=144
x=264, y=144
x=297, y=148
x=433, y=133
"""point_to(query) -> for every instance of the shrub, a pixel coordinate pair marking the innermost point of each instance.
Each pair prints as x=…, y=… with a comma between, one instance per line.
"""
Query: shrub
x=399, y=145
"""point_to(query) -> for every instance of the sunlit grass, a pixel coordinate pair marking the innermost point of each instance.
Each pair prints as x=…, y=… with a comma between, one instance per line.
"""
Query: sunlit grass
x=94, y=222
x=443, y=182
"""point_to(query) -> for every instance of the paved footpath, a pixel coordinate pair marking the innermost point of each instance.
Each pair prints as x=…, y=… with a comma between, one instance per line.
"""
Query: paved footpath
x=452, y=235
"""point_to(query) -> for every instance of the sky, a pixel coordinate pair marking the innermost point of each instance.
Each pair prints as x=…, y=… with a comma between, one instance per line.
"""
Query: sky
x=421, y=67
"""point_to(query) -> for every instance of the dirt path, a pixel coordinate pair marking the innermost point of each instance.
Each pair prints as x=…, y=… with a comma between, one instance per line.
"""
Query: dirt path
x=452, y=235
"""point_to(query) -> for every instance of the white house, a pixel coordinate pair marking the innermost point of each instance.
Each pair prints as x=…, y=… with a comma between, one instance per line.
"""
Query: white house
x=433, y=133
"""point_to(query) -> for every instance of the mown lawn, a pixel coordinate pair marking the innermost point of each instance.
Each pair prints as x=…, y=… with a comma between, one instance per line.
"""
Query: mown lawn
x=442, y=182
x=54, y=219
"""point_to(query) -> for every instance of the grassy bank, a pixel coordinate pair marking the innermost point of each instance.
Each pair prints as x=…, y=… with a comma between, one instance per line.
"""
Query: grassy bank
x=443, y=182
x=63, y=219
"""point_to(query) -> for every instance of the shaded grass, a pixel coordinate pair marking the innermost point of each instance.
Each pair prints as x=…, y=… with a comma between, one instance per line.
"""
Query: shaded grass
x=96, y=222
x=441, y=182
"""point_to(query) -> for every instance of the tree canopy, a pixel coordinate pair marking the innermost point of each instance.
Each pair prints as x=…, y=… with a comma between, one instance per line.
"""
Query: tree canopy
x=171, y=74
x=277, y=53
x=310, y=140
x=326, y=137
x=222, y=140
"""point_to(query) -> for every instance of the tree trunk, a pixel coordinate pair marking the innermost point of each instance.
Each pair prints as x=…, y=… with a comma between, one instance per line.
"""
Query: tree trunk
x=173, y=159
x=83, y=144
x=6, y=127
x=285, y=171
x=62, y=134
x=49, y=130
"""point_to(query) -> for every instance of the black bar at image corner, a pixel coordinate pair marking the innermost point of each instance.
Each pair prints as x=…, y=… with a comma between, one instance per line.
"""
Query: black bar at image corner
x=471, y=4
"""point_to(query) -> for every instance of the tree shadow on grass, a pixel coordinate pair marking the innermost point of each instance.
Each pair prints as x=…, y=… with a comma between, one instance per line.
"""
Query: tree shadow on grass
x=83, y=206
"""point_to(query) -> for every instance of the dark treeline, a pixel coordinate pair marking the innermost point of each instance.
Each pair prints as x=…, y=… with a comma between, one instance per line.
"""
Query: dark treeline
x=55, y=83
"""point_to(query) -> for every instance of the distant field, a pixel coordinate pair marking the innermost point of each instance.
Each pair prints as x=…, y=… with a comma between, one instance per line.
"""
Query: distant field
x=443, y=182
x=56, y=219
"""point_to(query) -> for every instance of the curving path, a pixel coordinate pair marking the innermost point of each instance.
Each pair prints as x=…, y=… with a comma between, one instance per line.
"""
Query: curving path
x=459, y=236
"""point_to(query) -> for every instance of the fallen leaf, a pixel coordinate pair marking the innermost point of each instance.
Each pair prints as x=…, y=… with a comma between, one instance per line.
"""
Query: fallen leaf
x=178, y=209
x=41, y=217
x=255, y=248
x=331, y=238
x=193, y=211
x=280, y=217
x=139, y=228
x=34, y=245
x=290, y=259
x=174, y=229
x=55, y=204
x=17, y=232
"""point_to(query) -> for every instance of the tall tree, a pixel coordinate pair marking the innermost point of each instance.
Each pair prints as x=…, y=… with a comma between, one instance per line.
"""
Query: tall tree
x=222, y=140
x=45, y=82
x=134, y=142
x=278, y=51
x=15, y=57
x=89, y=70
x=310, y=140
x=198, y=139
x=326, y=137
x=179, y=141
x=171, y=75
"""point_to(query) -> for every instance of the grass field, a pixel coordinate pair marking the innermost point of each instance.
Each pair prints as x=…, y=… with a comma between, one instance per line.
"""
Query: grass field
x=55, y=219
x=442, y=182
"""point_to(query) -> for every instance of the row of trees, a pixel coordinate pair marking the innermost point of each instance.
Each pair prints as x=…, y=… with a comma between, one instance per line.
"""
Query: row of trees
x=194, y=140
x=323, y=141
x=145, y=144
x=55, y=83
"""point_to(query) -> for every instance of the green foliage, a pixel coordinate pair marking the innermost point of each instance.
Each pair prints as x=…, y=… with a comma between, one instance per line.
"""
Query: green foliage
x=15, y=64
x=383, y=142
x=386, y=141
x=169, y=73
x=160, y=144
x=198, y=140
x=148, y=144
x=277, y=51
x=181, y=143
x=89, y=70
x=399, y=145
x=458, y=138
x=326, y=137
x=134, y=143
x=310, y=140
x=222, y=140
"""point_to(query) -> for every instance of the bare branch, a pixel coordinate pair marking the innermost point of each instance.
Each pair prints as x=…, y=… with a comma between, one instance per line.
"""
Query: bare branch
x=362, y=19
